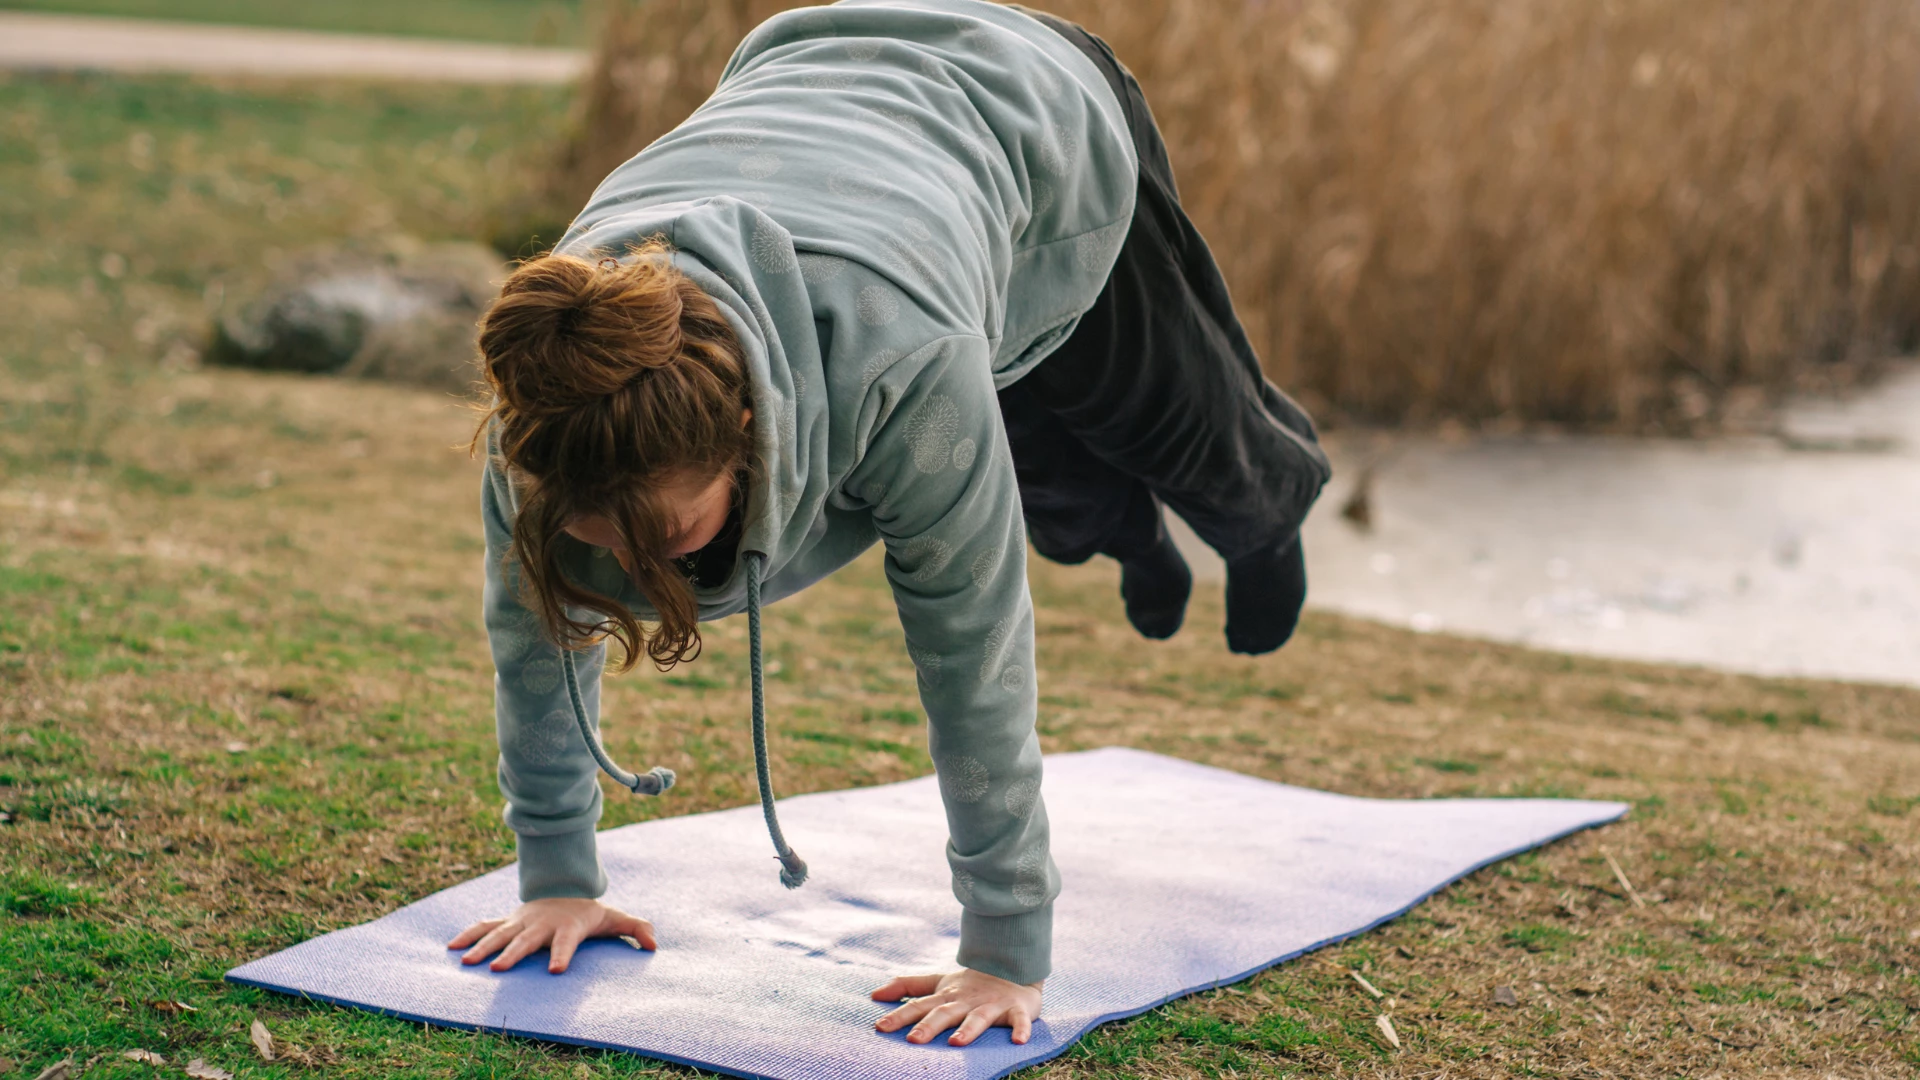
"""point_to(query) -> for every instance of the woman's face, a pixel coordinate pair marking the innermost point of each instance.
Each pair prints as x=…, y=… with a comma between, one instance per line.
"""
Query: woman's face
x=703, y=513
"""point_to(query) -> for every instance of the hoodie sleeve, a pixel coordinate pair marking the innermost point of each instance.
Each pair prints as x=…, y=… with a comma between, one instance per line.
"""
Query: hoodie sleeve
x=548, y=776
x=940, y=478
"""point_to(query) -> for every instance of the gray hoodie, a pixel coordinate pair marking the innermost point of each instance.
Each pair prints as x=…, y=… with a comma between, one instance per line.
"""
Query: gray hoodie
x=901, y=207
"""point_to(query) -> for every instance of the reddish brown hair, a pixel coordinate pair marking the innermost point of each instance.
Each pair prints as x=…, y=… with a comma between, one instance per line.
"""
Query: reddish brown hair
x=612, y=382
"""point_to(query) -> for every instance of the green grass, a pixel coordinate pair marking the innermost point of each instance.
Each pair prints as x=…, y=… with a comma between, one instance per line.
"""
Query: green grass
x=520, y=22
x=233, y=716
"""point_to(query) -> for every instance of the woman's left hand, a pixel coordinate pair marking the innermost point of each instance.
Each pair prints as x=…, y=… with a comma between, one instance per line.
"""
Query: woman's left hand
x=971, y=999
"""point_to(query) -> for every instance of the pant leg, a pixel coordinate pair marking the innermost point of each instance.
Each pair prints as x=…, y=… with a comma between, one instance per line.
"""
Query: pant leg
x=1076, y=505
x=1159, y=380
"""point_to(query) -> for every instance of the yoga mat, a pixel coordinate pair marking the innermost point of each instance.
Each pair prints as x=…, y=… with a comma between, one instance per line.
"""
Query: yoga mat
x=1178, y=877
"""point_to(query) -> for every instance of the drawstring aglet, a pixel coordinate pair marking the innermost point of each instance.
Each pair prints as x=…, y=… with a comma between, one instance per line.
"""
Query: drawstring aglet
x=793, y=870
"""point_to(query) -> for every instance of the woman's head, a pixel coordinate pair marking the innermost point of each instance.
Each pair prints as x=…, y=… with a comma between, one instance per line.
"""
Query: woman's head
x=620, y=404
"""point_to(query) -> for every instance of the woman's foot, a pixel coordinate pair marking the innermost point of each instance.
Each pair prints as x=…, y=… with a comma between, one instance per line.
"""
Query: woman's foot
x=1156, y=586
x=1265, y=591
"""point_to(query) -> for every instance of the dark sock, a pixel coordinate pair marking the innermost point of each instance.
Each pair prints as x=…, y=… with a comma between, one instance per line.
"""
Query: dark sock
x=1156, y=587
x=1154, y=579
x=1265, y=591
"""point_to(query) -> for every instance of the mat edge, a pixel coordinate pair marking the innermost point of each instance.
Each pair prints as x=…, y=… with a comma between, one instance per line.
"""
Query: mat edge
x=1067, y=1044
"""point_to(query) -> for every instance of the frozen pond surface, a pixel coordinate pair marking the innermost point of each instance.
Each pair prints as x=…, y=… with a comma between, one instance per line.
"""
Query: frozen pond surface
x=1796, y=555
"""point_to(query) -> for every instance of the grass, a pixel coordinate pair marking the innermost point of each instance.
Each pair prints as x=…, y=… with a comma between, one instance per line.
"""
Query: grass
x=1635, y=215
x=244, y=696
x=517, y=22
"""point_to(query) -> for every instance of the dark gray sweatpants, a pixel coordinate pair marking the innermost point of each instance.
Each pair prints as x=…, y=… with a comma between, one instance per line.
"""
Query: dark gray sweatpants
x=1157, y=396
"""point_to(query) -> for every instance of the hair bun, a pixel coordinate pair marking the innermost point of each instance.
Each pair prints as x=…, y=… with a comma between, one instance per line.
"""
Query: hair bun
x=566, y=331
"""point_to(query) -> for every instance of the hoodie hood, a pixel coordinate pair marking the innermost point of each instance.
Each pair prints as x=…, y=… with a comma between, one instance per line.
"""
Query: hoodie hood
x=745, y=261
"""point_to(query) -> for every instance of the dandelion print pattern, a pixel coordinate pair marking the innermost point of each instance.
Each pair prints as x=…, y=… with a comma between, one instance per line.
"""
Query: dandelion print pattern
x=963, y=452
x=1096, y=250
x=877, y=305
x=827, y=80
x=926, y=665
x=984, y=565
x=862, y=50
x=964, y=780
x=517, y=637
x=962, y=885
x=877, y=366
x=760, y=166
x=818, y=270
x=772, y=249
x=996, y=641
x=543, y=742
x=1013, y=678
x=540, y=675
x=1020, y=797
x=1057, y=154
x=1030, y=878
x=930, y=432
x=931, y=556
x=739, y=139
x=1042, y=197
x=859, y=185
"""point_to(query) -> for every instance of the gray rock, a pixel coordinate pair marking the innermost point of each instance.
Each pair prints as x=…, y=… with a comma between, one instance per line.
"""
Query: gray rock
x=407, y=315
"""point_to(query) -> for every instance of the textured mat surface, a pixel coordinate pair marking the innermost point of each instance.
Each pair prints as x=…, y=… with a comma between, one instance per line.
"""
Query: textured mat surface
x=1178, y=877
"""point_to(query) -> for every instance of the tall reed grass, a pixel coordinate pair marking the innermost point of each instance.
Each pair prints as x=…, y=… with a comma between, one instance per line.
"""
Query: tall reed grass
x=1614, y=213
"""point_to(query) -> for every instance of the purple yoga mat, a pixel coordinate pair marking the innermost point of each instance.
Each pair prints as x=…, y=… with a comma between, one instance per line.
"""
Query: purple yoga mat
x=1178, y=877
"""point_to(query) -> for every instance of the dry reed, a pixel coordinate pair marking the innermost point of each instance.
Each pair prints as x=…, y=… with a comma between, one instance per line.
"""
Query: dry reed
x=1624, y=214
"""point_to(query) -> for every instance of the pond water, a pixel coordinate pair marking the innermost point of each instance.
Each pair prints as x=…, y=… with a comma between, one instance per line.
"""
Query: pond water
x=1797, y=554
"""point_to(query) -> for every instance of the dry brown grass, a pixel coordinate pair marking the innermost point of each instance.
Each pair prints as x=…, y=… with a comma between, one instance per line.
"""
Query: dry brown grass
x=1631, y=214
x=1774, y=834
x=191, y=560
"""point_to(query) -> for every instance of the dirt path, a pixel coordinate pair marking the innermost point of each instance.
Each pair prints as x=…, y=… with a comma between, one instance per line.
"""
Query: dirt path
x=33, y=42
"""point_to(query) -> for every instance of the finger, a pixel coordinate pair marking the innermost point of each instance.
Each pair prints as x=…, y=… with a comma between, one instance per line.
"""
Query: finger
x=906, y=1014
x=473, y=933
x=1021, y=1023
x=496, y=937
x=529, y=939
x=977, y=1021
x=636, y=928
x=565, y=941
x=906, y=986
x=937, y=1021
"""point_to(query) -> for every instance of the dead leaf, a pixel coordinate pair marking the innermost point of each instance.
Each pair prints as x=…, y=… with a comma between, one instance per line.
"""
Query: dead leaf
x=200, y=1070
x=172, y=1008
x=1504, y=995
x=6, y=1065
x=1405, y=953
x=459, y=867
x=59, y=1070
x=262, y=1039
x=144, y=1057
x=319, y=1055
x=236, y=747
x=1386, y=1028
x=1367, y=986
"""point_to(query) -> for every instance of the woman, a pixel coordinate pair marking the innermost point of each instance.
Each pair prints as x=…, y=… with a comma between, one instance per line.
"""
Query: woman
x=917, y=273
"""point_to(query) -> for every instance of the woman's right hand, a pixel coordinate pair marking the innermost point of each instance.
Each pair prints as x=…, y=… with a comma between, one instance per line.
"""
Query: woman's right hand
x=559, y=924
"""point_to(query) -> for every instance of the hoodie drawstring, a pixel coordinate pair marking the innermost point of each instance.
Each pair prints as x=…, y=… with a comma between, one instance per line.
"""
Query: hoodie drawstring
x=793, y=869
x=652, y=782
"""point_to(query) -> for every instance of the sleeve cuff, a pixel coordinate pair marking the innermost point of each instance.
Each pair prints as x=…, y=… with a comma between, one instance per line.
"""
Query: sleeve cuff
x=562, y=865
x=1017, y=948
